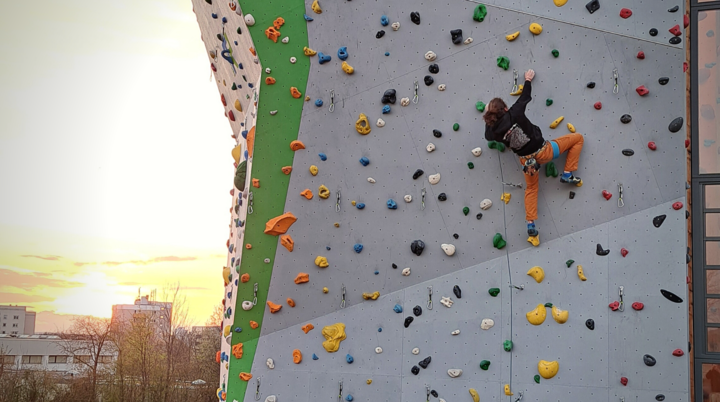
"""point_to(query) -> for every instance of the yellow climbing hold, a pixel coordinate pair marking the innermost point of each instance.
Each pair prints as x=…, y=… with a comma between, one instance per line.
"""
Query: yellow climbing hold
x=227, y=276
x=325, y=290
x=321, y=262
x=362, y=125
x=226, y=330
x=534, y=240
x=535, y=28
x=369, y=381
x=336, y=224
x=323, y=192
x=313, y=170
x=537, y=316
x=581, y=274
x=505, y=197
x=507, y=390
x=547, y=369
x=475, y=395
x=560, y=3
x=308, y=51
x=371, y=296
x=347, y=68
x=537, y=273
x=571, y=128
x=557, y=121
x=560, y=316
x=512, y=36
x=334, y=334
x=316, y=7
x=353, y=202
x=518, y=92
x=238, y=106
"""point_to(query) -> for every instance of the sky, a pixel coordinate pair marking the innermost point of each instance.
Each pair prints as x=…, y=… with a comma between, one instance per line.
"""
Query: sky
x=115, y=165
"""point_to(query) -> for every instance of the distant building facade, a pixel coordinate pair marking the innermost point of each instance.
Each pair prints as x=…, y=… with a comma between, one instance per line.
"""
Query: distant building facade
x=16, y=320
x=159, y=313
x=45, y=352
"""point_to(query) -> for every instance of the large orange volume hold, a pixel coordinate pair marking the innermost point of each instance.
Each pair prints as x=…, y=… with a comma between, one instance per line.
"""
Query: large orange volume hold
x=280, y=224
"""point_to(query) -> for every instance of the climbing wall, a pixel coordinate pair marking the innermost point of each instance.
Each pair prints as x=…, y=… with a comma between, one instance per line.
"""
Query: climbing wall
x=329, y=217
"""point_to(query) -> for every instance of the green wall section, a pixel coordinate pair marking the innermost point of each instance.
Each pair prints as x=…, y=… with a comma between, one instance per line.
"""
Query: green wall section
x=272, y=152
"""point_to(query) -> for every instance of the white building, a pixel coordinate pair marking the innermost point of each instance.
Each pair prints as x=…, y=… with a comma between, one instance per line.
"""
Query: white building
x=160, y=313
x=16, y=320
x=44, y=352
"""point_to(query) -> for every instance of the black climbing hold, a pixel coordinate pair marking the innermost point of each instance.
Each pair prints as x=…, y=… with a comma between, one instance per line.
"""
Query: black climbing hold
x=380, y=34
x=687, y=259
x=626, y=118
x=457, y=236
x=415, y=17
x=591, y=84
x=649, y=360
x=428, y=80
x=417, y=247
x=417, y=310
x=478, y=216
x=653, y=32
x=590, y=324
x=408, y=321
x=424, y=362
x=456, y=35
x=415, y=370
x=687, y=214
x=663, y=80
x=388, y=97
x=434, y=393
x=572, y=195
x=457, y=291
x=394, y=266
x=208, y=1
x=593, y=6
x=672, y=10
x=628, y=152
x=220, y=37
x=600, y=251
x=661, y=397
x=434, y=68
x=675, y=40
x=437, y=133
x=671, y=296
x=239, y=31
x=418, y=173
x=676, y=125
x=442, y=197
x=658, y=220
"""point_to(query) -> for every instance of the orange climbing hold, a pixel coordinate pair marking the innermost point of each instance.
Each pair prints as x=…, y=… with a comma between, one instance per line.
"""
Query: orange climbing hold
x=245, y=278
x=297, y=356
x=272, y=34
x=217, y=357
x=274, y=308
x=245, y=376
x=253, y=325
x=307, y=328
x=269, y=80
x=302, y=277
x=280, y=224
x=296, y=145
x=237, y=351
x=287, y=169
x=256, y=183
x=307, y=193
x=279, y=21
x=287, y=242
x=252, y=50
x=290, y=302
x=248, y=246
x=251, y=141
x=295, y=93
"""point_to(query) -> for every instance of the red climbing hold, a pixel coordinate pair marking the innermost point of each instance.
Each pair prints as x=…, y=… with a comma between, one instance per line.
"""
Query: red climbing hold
x=232, y=192
x=678, y=352
x=687, y=143
x=638, y=306
x=642, y=90
x=686, y=21
x=677, y=206
x=614, y=305
x=222, y=99
x=623, y=380
x=652, y=145
x=676, y=30
x=213, y=67
x=606, y=194
x=685, y=66
x=231, y=115
x=625, y=13
x=624, y=251
x=598, y=105
x=641, y=55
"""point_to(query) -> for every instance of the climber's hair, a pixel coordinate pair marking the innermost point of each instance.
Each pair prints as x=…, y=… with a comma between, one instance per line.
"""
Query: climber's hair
x=495, y=110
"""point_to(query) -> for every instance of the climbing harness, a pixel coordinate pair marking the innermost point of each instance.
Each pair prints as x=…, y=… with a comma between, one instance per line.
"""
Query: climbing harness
x=257, y=390
x=423, y=198
x=616, y=88
x=622, y=304
x=531, y=166
x=255, y=290
x=621, y=203
x=521, y=287
x=332, y=100
x=427, y=391
x=519, y=185
x=429, y=303
x=340, y=392
x=337, y=201
x=250, y=203
x=416, y=98
x=342, y=305
x=515, y=78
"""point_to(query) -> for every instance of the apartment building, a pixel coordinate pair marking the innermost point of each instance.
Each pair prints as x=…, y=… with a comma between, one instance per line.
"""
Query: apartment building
x=16, y=320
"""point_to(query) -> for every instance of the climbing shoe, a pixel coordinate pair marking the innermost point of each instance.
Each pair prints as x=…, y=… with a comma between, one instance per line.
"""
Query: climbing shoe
x=569, y=178
x=532, y=231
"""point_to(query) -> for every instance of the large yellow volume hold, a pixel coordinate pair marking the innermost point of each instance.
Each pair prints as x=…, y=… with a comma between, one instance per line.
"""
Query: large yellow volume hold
x=537, y=316
x=474, y=394
x=537, y=273
x=548, y=369
x=362, y=125
x=334, y=334
x=581, y=274
x=557, y=121
x=512, y=36
x=535, y=28
x=571, y=128
x=316, y=7
x=560, y=316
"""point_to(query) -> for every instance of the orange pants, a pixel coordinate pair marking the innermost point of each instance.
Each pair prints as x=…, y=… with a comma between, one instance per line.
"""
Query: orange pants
x=572, y=144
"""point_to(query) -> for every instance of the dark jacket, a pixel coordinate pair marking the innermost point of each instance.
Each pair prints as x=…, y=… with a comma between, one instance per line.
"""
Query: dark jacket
x=516, y=115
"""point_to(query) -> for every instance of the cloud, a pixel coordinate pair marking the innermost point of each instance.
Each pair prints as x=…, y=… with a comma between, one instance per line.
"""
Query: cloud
x=30, y=280
x=19, y=298
x=170, y=258
x=129, y=284
x=46, y=258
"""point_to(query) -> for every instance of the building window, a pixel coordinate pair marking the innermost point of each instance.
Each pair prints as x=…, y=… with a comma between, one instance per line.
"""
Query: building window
x=4, y=324
x=106, y=359
x=57, y=359
x=82, y=359
x=13, y=333
x=14, y=325
x=32, y=359
x=8, y=359
x=16, y=317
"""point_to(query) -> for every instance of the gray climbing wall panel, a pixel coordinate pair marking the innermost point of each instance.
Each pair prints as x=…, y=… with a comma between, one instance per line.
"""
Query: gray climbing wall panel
x=591, y=362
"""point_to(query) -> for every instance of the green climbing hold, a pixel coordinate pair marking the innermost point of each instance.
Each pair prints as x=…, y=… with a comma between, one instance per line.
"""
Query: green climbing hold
x=456, y=127
x=466, y=210
x=480, y=106
x=234, y=87
x=569, y=263
x=555, y=53
x=496, y=145
x=471, y=165
x=503, y=62
x=548, y=102
x=548, y=305
x=480, y=13
x=498, y=241
x=485, y=364
x=507, y=345
x=551, y=170
x=537, y=378
x=494, y=292
x=240, y=175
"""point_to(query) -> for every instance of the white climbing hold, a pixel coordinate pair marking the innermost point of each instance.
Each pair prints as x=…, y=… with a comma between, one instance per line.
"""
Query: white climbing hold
x=285, y=40
x=380, y=123
x=371, y=180
x=449, y=249
x=249, y=20
x=430, y=147
x=468, y=41
x=477, y=151
x=441, y=87
x=395, y=26
x=406, y=272
x=454, y=373
x=378, y=350
x=408, y=198
x=270, y=363
x=487, y=323
x=485, y=204
x=271, y=398
x=266, y=261
x=446, y=301
x=430, y=56
x=456, y=332
x=416, y=351
x=273, y=112
x=293, y=60
x=404, y=101
x=434, y=178
x=441, y=400
x=247, y=305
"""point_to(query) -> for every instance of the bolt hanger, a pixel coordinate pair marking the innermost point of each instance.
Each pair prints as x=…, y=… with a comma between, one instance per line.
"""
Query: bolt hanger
x=337, y=201
x=340, y=392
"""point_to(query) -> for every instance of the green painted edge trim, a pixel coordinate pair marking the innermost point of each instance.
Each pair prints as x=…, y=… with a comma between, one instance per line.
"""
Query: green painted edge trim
x=273, y=135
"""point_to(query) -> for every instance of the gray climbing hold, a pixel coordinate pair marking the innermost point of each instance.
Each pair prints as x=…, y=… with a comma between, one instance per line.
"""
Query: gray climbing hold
x=676, y=125
x=425, y=362
x=625, y=119
x=649, y=360
x=671, y=296
x=600, y=251
x=658, y=220
x=593, y=6
x=457, y=291
x=417, y=310
x=417, y=247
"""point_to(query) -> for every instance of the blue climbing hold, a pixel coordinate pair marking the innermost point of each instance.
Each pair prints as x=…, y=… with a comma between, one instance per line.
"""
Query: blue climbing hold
x=386, y=109
x=322, y=156
x=224, y=20
x=342, y=53
x=229, y=295
x=250, y=85
x=323, y=58
x=232, y=261
x=245, y=154
x=349, y=398
x=222, y=356
x=244, y=134
x=349, y=359
x=236, y=43
x=387, y=53
x=377, y=272
x=384, y=20
x=358, y=247
x=214, y=16
x=238, y=330
x=364, y=161
x=380, y=329
x=232, y=246
x=318, y=102
x=307, y=18
x=315, y=356
x=241, y=67
x=327, y=248
x=360, y=205
x=391, y=204
x=236, y=282
x=398, y=309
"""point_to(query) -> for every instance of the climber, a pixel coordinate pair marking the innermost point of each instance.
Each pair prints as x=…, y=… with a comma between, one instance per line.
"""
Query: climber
x=513, y=129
